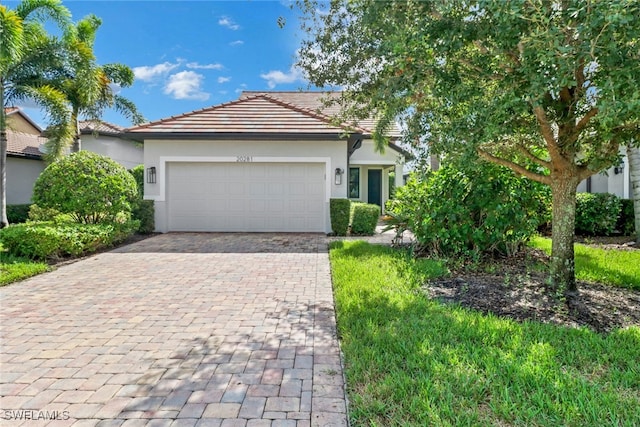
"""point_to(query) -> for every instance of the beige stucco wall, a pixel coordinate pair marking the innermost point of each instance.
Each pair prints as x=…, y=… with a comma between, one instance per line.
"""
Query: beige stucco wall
x=128, y=153
x=17, y=123
x=157, y=153
x=21, y=175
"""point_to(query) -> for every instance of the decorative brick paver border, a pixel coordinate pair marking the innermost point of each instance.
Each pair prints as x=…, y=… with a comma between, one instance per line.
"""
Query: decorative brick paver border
x=185, y=329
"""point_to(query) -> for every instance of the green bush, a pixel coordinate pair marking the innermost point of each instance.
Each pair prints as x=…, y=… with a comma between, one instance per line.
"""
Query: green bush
x=17, y=213
x=340, y=214
x=89, y=187
x=144, y=211
x=138, y=175
x=626, y=220
x=36, y=213
x=471, y=210
x=48, y=240
x=364, y=218
x=597, y=213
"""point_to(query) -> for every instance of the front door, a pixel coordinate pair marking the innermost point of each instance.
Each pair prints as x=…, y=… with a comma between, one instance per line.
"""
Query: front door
x=374, y=185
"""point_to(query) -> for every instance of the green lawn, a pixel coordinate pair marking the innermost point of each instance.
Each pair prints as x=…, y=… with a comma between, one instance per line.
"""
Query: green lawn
x=413, y=361
x=14, y=268
x=611, y=267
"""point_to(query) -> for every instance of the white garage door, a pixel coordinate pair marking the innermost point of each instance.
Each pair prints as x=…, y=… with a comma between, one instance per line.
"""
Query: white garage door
x=246, y=196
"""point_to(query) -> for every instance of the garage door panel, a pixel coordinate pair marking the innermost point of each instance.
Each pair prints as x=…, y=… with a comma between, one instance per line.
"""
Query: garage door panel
x=245, y=197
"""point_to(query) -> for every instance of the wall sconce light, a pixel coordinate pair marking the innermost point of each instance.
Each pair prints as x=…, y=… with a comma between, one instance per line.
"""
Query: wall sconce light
x=151, y=175
x=619, y=169
x=338, y=176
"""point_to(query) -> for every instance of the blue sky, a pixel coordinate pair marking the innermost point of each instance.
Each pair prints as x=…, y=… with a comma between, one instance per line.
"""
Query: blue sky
x=188, y=55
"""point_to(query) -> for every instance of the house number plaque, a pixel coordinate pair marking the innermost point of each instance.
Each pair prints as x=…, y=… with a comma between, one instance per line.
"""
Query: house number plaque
x=244, y=159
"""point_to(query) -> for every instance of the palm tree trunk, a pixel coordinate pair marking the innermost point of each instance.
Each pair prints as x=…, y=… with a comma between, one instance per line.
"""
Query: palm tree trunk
x=3, y=160
x=77, y=143
x=633, y=155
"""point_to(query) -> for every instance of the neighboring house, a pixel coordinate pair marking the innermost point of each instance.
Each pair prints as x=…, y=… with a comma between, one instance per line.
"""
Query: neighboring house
x=24, y=155
x=270, y=161
x=616, y=180
x=24, y=159
x=108, y=139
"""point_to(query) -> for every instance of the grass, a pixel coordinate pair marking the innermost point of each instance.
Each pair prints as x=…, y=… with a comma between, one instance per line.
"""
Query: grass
x=414, y=361
x=606, y=266
x=14, y=268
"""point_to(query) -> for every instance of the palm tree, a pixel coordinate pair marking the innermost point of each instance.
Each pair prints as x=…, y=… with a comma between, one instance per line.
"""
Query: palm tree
x=88, y=87
x=25, y=54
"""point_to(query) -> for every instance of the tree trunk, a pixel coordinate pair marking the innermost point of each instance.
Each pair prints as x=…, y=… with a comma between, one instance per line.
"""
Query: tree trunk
x=633, y=156
x=3, y=161
x=563, y=190
x=77, y=143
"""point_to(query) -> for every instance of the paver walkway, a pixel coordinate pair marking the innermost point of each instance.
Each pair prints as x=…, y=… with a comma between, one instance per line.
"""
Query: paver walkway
x=176, y=330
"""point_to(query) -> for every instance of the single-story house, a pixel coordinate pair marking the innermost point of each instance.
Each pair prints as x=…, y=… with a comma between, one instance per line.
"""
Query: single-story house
x=269, y=161
x=24, y=159
x=24, y=151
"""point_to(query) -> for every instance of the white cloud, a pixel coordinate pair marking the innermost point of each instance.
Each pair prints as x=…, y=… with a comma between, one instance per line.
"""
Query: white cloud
x=277, y=77
x=197, y=66
x=225, y=21
x=186, y=85
x=148, y=73
x=224, y=79
x=236, y=43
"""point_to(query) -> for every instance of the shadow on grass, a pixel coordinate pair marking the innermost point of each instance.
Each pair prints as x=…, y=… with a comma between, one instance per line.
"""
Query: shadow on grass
x=413, y=361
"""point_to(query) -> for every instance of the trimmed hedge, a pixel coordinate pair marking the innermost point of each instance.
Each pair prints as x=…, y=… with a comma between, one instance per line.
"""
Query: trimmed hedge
x=17, y=214
x=626, y=220
x=597, y=213
x=48, y=240
x=364, y=218
x=340, y=211
x=144, y=211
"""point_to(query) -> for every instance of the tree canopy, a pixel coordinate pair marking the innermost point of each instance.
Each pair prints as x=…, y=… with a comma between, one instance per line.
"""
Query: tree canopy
x=548, y=89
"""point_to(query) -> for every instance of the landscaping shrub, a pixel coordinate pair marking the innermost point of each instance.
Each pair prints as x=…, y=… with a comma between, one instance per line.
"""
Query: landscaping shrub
x=36, y=213
x=89, y=187
x=626, y=224
x=17, y=213
x=144, y=211
x=364, y=218
x=340, y=214
x=471, y=210
x=138, y=175
x=48, y=240
x=597, y=213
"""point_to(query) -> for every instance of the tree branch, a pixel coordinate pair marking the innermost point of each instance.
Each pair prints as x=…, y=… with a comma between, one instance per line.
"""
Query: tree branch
x=535, y=159
x=544, y=179
x=582, y=123
x=547, y=134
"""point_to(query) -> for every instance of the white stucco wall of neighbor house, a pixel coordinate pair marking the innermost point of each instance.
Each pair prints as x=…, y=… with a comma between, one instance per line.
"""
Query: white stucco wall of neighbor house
x=21, y=175
x=331, y=154
x=128, y=153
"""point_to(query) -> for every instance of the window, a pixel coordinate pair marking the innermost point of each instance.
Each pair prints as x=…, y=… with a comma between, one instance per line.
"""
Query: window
x=354, y=183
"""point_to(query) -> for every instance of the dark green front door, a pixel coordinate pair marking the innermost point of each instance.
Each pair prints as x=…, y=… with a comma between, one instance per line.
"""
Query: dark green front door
x=374, y=185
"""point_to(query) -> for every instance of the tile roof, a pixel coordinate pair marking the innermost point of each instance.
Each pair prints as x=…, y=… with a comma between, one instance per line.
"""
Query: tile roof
x=20, y=144
x=259, y=114
x=104, y=128
x=316, y=101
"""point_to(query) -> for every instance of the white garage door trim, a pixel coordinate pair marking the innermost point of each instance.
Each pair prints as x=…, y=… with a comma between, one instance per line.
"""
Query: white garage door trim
x=162, y=168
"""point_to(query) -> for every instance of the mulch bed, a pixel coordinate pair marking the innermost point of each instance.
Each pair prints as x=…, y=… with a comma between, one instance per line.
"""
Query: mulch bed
x=515, y=290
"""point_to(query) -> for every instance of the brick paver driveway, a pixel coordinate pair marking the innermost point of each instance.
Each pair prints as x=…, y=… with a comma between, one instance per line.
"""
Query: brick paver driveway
x=177, y=330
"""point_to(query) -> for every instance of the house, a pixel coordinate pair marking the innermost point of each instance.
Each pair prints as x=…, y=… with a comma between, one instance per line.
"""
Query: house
x=269, y=161
x=615, y=180
x=25, y=143
x=24, y=159
x=108, y=139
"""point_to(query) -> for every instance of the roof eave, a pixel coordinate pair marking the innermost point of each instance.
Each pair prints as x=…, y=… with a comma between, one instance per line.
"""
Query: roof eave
x=270, y=136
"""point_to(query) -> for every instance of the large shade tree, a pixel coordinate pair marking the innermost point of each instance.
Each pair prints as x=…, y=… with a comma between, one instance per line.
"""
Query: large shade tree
x=26, y=52
x=547, y=89
x=89, y=88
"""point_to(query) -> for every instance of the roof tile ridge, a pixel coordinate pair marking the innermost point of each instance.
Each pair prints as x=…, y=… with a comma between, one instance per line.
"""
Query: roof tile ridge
x=190, y=113
x=313, y=113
